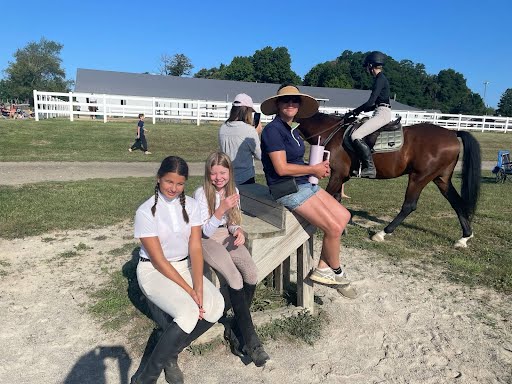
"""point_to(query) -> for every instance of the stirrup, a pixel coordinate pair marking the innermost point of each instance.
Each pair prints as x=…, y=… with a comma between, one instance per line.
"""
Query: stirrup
x=368, y=174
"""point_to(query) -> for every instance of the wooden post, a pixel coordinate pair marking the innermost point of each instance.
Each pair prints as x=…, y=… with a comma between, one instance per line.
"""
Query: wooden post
x=286, y=272
x=305, y=294
x=278, y=278
x=36, y=106
x=70, y=106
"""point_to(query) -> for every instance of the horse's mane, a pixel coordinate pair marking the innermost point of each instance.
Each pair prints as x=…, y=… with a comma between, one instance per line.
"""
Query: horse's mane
x=321, y=117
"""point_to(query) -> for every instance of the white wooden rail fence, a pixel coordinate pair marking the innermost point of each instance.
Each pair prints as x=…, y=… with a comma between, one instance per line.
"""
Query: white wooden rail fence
x=73, y=105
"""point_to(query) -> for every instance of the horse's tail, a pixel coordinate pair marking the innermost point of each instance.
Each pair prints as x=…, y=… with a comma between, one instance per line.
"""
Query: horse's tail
x=471, y=171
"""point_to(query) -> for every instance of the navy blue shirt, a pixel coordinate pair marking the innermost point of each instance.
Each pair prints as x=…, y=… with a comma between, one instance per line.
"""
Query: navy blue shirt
x=279, y=136
x=140, y=124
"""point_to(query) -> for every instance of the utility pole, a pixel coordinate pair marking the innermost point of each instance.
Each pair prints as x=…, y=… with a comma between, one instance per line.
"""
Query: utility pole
x=485, y=91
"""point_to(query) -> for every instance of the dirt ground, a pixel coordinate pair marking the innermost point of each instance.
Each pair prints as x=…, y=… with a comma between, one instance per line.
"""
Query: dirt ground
x=407, y=325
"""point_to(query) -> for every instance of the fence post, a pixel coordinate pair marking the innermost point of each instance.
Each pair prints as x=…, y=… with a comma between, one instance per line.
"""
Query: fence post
x=70, y=106
x=458, y=123
x=506, y=124
x=104, y=108
x=197, y=112
x=154, y=110
x=36, y=106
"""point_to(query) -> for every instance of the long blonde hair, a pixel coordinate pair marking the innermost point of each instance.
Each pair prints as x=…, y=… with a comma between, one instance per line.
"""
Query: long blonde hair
x=222, y=159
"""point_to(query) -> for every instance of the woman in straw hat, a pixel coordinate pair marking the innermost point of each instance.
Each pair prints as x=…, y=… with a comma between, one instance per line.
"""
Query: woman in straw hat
x=287, y=177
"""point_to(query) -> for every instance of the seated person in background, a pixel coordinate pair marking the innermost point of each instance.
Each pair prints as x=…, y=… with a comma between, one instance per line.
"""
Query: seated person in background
x=12, y=111
x=4, y=110
x=240, y=140
x=287, y=174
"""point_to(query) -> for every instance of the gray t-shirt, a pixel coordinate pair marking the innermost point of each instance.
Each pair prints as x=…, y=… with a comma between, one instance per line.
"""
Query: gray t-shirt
x=241, y=143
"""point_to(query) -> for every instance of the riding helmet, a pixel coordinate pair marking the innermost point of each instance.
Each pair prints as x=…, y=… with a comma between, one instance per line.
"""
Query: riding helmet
x=374, y=58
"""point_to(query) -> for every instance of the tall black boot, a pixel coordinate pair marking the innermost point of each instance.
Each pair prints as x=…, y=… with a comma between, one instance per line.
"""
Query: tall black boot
x=168, y=346
x=172, y=371
x=249, y=290
x=365, y=154
x=243, y=318
x=232, y=332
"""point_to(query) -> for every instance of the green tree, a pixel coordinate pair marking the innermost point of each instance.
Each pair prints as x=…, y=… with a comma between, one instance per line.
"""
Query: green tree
x=240, y=69
x=331, y=74
x=274, y=66
x=36, y=66
x=177, y=65
x=454, y=95
x=212, y=73
x=505, y=103
x=267, y=65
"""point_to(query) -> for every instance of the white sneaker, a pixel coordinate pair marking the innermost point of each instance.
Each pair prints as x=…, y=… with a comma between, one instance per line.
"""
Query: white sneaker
x=130, y=150
x=327, y=276
x=147, y=153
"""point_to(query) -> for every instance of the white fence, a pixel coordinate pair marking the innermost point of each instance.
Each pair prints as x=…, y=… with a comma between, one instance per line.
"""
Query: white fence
x=75, y=105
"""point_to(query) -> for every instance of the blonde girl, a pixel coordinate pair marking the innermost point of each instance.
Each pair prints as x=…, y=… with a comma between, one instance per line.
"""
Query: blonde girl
x=224, y=251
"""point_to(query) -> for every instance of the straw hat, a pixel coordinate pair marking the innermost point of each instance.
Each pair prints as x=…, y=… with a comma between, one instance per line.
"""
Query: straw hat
x=308, y=105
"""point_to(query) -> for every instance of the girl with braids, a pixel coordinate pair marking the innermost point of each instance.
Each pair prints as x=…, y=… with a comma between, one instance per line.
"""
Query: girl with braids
x=170, y=270
x=224, y=251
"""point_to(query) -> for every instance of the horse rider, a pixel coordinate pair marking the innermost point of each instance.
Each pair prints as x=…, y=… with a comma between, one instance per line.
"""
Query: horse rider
x=380, y=104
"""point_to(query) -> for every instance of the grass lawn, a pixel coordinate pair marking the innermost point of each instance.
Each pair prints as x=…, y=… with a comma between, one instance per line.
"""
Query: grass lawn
x=93, y=140
x=427, y=235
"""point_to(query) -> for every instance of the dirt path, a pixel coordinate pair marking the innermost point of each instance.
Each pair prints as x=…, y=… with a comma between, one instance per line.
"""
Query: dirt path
x=17, y=173
x=408, y=325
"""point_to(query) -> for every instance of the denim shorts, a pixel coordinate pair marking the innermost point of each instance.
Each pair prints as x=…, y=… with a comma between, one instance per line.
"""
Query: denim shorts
x=295, y=200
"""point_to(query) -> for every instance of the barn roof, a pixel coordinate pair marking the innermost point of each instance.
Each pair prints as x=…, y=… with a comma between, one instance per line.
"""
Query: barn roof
x=147, y=85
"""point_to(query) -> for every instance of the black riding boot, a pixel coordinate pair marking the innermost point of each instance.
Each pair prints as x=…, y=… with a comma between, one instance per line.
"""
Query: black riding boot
x=166, y=349
x=243, y=318
x=172, y=371
x=365, y=154
x=232, y=332
x=249, y=290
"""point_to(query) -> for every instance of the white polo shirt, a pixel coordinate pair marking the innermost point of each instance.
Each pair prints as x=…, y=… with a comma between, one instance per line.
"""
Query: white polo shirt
x=211, y=223
x=167, y=224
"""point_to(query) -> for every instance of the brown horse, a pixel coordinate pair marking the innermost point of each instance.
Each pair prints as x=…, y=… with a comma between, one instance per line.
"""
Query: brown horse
x=429, y=153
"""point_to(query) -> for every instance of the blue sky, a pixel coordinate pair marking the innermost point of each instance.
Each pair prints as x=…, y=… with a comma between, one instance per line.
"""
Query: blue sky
x=471, y=37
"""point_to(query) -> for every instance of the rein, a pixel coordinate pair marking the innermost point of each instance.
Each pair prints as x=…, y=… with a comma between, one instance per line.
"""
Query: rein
x=338, y=125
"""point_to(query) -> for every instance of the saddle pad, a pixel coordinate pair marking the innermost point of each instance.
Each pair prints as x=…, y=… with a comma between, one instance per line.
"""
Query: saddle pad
x=389, y=141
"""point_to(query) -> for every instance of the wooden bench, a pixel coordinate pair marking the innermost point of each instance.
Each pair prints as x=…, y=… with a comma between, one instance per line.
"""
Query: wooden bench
x=273, y=235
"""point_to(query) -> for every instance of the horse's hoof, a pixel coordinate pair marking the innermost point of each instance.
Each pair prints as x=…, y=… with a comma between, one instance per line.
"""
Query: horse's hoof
x=462, y=242
x=379, y=236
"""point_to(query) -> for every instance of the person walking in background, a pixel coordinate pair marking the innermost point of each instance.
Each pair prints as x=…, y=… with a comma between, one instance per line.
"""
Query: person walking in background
x=287, y=177
x=140, y=140
x=239, y=139
x=225, y=252
x=170, y=270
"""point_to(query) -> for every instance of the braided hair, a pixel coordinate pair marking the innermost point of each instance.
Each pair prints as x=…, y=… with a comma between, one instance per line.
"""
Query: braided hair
x=177, y=165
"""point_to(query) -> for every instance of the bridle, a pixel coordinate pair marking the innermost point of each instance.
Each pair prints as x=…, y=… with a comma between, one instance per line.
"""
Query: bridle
x=337, y=126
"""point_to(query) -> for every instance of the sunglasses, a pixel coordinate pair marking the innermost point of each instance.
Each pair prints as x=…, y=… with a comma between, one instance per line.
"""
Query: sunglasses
x=287, y=99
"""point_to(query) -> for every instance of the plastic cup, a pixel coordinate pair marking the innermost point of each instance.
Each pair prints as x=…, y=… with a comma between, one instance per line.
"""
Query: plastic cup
x=316, y=156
